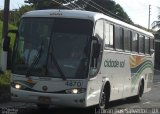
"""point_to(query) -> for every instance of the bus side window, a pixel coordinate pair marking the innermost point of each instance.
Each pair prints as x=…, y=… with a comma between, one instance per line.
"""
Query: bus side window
x=147, y=45
x=141, y=43
x=119, y=37
x=127, y=40
x=134, y=42
x=151, y=45
x=108, y=34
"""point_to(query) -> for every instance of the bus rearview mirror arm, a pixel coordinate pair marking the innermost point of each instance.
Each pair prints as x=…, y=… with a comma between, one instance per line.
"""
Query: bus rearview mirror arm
x=96, y=47
x=94, y=38
x=6, y=43
x=152, y=51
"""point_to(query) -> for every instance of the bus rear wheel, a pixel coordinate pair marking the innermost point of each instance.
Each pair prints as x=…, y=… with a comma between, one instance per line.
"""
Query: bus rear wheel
x=138, y=97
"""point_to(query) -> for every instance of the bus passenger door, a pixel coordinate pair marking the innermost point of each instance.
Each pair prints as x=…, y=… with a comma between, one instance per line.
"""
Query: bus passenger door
x=95, y=81
x=96, y=49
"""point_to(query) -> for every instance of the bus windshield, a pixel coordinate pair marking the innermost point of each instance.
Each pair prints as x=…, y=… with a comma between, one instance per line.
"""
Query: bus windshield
x=52, y=47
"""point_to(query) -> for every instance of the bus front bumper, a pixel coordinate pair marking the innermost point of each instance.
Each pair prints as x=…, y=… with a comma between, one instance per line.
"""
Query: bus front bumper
x=58, y=100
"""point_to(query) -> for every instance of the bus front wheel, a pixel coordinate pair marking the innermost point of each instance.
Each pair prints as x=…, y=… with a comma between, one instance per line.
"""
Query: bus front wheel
x=104, y=100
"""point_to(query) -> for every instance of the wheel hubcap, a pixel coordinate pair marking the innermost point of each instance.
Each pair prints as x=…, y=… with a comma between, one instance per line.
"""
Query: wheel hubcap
x=103, y=100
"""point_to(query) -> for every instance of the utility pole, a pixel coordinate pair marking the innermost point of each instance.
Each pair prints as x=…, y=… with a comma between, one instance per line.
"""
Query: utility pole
x=149, y=16
x=3, y=64
x=5, y=19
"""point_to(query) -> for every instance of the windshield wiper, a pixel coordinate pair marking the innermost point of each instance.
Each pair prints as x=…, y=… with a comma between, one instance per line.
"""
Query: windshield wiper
x=57, y=65
x=35, y=61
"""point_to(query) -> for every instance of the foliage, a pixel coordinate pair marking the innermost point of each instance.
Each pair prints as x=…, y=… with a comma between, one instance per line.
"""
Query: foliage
x=1, y=24
x=1, y=15
x=158, y=31
x=107, y=6
x=5, y=79
x=110, y=8
x=157, y=34
x=14, y=18
x=44, y=4
x=5, y=86
x=15, y=15
x=11, y=35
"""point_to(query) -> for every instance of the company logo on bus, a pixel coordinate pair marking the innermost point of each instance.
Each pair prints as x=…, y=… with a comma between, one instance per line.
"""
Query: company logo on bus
x=56, y=14
x=44, y=88
x=114, y=63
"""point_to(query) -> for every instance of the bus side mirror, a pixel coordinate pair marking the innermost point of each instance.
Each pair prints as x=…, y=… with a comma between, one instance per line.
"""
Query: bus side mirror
x=95, y=39
x=152, y=51
x=96, y=50
x=6, y=43
x=13, y=31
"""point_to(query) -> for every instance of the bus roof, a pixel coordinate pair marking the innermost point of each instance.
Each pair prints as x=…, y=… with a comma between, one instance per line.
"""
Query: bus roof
x=81, y=14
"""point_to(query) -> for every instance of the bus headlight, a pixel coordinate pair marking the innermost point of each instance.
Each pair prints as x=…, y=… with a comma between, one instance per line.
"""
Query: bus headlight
x=76, y=91
x=18, y=86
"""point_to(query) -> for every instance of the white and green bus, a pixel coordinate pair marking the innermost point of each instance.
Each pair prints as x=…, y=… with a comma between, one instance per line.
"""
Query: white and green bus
x=73, y=58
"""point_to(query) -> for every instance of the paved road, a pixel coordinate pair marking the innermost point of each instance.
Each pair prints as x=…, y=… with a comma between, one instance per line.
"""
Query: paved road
x=149, y=105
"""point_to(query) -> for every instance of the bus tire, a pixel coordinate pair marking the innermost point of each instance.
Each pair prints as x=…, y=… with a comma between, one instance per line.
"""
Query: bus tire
x=42, y=106
x=104, y=99
x=138, y=97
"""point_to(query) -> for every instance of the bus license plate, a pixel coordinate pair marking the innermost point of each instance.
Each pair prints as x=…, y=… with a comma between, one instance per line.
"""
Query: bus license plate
x=44, y=100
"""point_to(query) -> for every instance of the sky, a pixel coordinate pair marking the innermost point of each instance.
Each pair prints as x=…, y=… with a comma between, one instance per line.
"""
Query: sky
x=14, y=4
x=138, y=10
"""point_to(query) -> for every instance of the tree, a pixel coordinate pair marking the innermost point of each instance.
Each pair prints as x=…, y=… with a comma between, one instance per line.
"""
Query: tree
x=1, y=15
x=156, y=24
x=109, y=7
x=44, y=4
x=17, y=13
